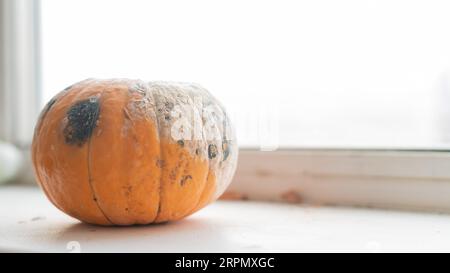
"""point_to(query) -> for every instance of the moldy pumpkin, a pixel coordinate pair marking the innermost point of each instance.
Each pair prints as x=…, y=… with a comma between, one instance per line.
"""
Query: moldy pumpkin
x=124, y=152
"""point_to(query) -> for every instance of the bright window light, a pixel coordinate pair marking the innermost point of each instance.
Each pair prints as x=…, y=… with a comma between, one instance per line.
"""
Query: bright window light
x=292, y=73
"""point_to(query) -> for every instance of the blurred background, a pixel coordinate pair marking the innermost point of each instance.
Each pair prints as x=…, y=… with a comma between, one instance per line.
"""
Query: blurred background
x=293, y=74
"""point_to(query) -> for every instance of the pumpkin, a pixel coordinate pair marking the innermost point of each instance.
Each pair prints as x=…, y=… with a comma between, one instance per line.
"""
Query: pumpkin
x=125, y=152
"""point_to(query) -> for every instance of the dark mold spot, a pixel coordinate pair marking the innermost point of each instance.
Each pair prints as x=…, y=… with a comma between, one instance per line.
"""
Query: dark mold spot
x=49, y=104
x=212, y=151
x=68, y=87
x=184, y=179
x=38, y=218
x=126, y=114
x=169, y=105
x=139, y=87
x=128, y=189
x=197, y=151
x=181, y=143
x=43, y=113
x=173, y=174
x=82, y=119
x=159, y=163
x=226, y=149
x=166, y=117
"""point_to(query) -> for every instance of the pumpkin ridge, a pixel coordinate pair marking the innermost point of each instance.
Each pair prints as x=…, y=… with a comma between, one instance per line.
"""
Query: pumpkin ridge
x=205, y=186
x=95, y=199
x=37, y=130
x=212, y=153
x=161, y=154
x=38, y=127
x=193, y=155
x=207, y=174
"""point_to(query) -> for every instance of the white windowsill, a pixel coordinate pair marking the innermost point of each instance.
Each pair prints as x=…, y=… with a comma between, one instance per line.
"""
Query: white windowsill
x=30, y=223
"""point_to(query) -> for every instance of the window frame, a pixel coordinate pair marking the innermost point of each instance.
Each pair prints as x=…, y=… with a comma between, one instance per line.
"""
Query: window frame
x=20, y=70
x=391, y=179
x=399, y=179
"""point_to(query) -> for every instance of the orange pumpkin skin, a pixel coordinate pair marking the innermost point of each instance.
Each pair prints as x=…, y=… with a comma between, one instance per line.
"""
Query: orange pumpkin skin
x=125, y=152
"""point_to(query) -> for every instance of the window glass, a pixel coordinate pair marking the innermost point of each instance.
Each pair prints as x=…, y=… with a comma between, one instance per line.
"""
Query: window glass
x=291, y=73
